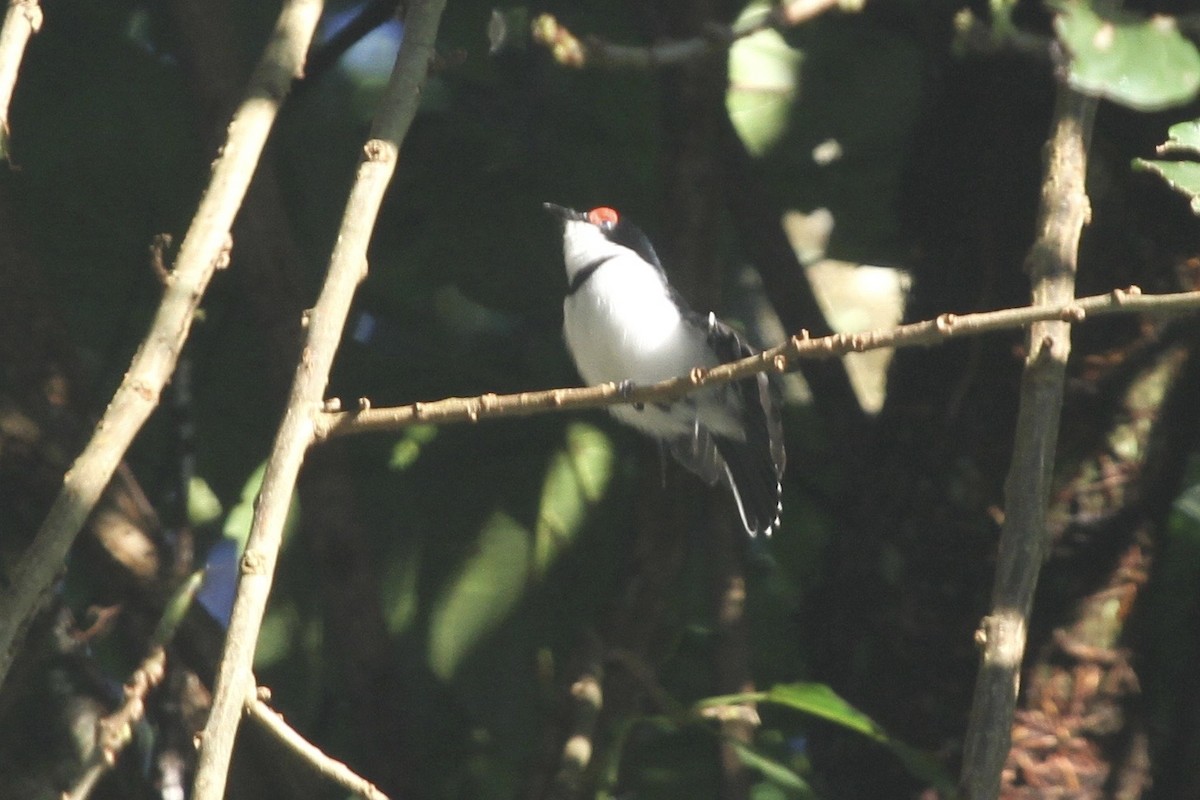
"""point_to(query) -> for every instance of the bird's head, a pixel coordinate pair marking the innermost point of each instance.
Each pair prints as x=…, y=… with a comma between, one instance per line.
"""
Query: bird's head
x=597, y=234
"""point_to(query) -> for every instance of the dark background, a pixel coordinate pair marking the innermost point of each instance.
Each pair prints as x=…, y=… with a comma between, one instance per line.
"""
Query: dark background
x=441, y=588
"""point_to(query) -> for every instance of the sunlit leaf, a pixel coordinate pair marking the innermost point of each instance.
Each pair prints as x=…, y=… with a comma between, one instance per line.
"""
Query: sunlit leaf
x=1183, y=175
x=406, y=451
x=1182, y=137
x=278, y=637
x=763, y=75
x=203, y=506
x=1145, y=64
x=577, y=478
x=177, y=608
x=489, y=585
x=398, y=587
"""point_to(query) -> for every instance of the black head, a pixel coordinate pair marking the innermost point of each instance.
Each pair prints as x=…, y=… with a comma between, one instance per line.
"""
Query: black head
x=614, y=227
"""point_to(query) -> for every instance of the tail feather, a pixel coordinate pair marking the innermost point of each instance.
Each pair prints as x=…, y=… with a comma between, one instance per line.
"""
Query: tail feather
x=751, y=464
x=754, y=480
x=754, y=467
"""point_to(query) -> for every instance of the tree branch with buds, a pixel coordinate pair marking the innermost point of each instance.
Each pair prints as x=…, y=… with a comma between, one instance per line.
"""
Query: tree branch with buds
x=334, y=421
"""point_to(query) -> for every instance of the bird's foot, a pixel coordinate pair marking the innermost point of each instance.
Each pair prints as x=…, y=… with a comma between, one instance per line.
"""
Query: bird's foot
x=625, y=389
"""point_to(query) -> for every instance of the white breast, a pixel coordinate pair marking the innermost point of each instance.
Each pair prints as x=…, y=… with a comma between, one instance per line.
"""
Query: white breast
x=623, y=325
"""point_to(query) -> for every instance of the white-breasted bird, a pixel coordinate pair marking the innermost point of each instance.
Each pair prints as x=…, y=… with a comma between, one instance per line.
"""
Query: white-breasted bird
x=625, y=324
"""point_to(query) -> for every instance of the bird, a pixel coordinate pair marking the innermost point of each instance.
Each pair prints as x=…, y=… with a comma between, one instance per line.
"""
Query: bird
x=624, y=323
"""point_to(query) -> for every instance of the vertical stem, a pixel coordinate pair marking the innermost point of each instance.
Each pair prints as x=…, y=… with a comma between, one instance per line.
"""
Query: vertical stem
x=1051, y=264
x=347, y=267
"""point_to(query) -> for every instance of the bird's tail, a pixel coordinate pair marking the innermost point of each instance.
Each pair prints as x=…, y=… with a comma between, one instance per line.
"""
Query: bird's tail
x=754, y=480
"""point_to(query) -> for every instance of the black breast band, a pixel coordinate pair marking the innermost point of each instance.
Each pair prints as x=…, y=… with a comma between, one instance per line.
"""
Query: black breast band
x=581, y=277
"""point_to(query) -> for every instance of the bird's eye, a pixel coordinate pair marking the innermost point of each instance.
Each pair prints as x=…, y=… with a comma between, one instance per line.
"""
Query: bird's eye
x=604, y=216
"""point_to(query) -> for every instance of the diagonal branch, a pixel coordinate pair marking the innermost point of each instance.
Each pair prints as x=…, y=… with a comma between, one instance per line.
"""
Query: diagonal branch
x=328, y=767
x=332, y=422
x=204, y=249
x=1051, y=264
x=347, y=268
x=23, y=20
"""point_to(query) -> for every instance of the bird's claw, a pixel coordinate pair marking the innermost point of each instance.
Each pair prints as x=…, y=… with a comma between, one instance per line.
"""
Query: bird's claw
x=625, y=389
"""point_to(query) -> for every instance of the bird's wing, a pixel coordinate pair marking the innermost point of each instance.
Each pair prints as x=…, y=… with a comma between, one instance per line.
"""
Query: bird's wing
x=753, y=466
x=756, y=395
x=698, y=453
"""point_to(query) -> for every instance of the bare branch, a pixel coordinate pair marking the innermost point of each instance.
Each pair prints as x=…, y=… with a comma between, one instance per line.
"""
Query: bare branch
x=571, y=51
x=347, y=267
x=332, y=422
x=329, y=767
x=115, y=731
x=203, y=250
x=1052, y=264
x=23, y=20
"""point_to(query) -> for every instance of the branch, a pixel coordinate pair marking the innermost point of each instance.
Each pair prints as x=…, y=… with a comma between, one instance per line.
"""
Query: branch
x=347, y=267
x=1052, y=264
x=333, y=422
x=571, y=51
x=587, y=699
x=23, y=20
x=756, y=217
x=115, y=731
x=329, y=767
x=204, y=249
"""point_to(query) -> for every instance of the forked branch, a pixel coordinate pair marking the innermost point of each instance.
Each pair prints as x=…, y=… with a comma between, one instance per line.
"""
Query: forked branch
x=347, y=268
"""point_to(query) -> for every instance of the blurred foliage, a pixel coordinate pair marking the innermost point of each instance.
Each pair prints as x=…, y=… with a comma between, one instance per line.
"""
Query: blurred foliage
x=1183, y=172
x=1146, y=64
x=484, y=554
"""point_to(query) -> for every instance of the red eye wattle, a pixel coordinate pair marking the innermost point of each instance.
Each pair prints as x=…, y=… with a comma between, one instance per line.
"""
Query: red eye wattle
x=603, y=216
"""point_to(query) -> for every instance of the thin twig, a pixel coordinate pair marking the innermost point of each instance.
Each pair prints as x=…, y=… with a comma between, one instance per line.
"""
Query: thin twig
x=571, y=51
x=204, y=249
x=1051, y=264
x=23, y=20
x=274, y=723
x=347, y=267
x=332, y=423
x=115, y=731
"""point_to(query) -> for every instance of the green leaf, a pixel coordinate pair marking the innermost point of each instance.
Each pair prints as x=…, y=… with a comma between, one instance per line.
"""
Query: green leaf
x=1182, y=137
x=203, y=506
x=1145, y=64
x=577, y=479
x=771, y=769
x=406, y=451
x=763, y=76
x=1184, y=175
x=821, y=701
x=485, y=591
x=177, y=608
